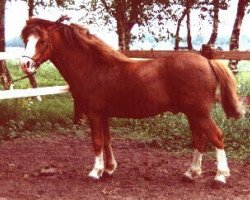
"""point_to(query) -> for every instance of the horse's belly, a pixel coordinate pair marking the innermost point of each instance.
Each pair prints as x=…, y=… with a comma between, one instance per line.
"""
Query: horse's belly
x=138, y=110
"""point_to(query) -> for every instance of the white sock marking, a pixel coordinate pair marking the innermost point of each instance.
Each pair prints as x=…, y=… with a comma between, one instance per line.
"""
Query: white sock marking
x=222, y=166
x=98, y=167
x=195, y=168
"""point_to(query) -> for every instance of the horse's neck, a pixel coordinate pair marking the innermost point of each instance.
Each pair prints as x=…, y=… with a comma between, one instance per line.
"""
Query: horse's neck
x=75, y=64
x=70, y=65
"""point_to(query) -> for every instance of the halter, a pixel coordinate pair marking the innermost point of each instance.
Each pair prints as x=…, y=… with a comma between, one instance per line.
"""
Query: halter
x=37, y=64
x=48, y=44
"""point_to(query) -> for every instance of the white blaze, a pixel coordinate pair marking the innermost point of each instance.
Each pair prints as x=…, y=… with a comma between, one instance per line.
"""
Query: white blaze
x=30, y=49
x=29, y=52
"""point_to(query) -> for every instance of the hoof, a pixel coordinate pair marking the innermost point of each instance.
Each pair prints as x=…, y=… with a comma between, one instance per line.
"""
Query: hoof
x=187, y=179
x=218, y=184
x=96, y=174
x=92, y=179
x=106, y=176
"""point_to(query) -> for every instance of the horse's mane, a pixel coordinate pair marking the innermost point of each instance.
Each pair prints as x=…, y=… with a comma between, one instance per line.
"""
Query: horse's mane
x=88, y=40
x=75, y=35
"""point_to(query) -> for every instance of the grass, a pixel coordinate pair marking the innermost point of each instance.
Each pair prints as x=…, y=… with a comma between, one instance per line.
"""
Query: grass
x=243, y=80
x=27, y=117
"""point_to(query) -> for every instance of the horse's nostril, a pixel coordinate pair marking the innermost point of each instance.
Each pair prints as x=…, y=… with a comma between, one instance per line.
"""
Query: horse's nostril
x=28, y=64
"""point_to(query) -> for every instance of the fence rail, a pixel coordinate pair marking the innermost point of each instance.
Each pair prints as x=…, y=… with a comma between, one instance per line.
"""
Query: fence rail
x=226, y=55
x=31, y=92
x=10, y=55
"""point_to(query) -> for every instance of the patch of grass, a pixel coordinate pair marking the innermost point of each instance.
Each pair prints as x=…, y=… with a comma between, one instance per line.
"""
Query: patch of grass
x=236, y=133
x=166, y=131
x=47, y=75
x=243, y=80
x=171, y=132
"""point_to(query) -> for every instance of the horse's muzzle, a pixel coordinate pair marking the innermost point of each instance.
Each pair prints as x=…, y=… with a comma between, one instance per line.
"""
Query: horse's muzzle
x=28, y=65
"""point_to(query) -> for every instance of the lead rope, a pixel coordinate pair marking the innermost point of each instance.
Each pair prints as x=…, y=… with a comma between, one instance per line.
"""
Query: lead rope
x=24, y=77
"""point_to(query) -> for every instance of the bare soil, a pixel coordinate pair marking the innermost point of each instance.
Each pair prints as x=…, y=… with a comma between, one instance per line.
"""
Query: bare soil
x=56, y=167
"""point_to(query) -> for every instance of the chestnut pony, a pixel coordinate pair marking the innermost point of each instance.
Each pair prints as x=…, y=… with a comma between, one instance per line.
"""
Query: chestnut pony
x=105, y=83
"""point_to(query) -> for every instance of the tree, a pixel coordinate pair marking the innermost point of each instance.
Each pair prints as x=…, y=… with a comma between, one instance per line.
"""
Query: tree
x=31, y=7
x=33, y=4
x=4, y=72
x=234, y=40
x=126, y=13
x=2, y=26
x=187, y=5
x=214, y=14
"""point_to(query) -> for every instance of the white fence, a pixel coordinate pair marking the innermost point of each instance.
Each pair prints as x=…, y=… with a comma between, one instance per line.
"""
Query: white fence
x=31, y=92
x=20, y=93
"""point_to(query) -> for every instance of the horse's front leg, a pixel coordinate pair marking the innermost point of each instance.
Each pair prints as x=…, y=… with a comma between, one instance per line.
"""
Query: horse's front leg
x=96, y=125
x=110, y=164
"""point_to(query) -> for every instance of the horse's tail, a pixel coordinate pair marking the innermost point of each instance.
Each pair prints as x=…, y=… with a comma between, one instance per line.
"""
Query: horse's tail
x=228, y=88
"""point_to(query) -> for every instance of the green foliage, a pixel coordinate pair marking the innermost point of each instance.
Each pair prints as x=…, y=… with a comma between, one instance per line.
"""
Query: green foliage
x=243, y=78
x=165, y=131
x=172, y=132
x=236, y=133
x=47, y=75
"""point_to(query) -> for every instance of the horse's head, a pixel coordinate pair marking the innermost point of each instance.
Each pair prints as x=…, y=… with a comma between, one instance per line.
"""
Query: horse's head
x=36, y=36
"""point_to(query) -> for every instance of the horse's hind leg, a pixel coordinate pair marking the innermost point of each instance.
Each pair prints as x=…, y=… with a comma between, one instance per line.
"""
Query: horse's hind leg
x=110, y=164
x=202, y=127
x=215, y=137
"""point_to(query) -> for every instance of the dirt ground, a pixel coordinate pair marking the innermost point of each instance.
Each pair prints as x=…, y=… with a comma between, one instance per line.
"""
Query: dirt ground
x=56, y=167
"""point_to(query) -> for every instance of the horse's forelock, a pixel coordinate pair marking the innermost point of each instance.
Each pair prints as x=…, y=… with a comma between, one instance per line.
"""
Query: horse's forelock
x=37, y=26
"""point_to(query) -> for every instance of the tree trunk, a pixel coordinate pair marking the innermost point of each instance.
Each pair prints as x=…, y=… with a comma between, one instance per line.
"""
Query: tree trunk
x=31, y=8
x=234, y=41
x=177, y=37
x=123, y=28
x=214, y=34
x=6, y=79
x=121, y=35
x=189, y=37
x=4, y=72
x=2, y=26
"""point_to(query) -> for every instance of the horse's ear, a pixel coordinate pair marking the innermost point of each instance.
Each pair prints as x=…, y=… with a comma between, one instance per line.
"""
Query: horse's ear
x=62, y=19
x=88, y=34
